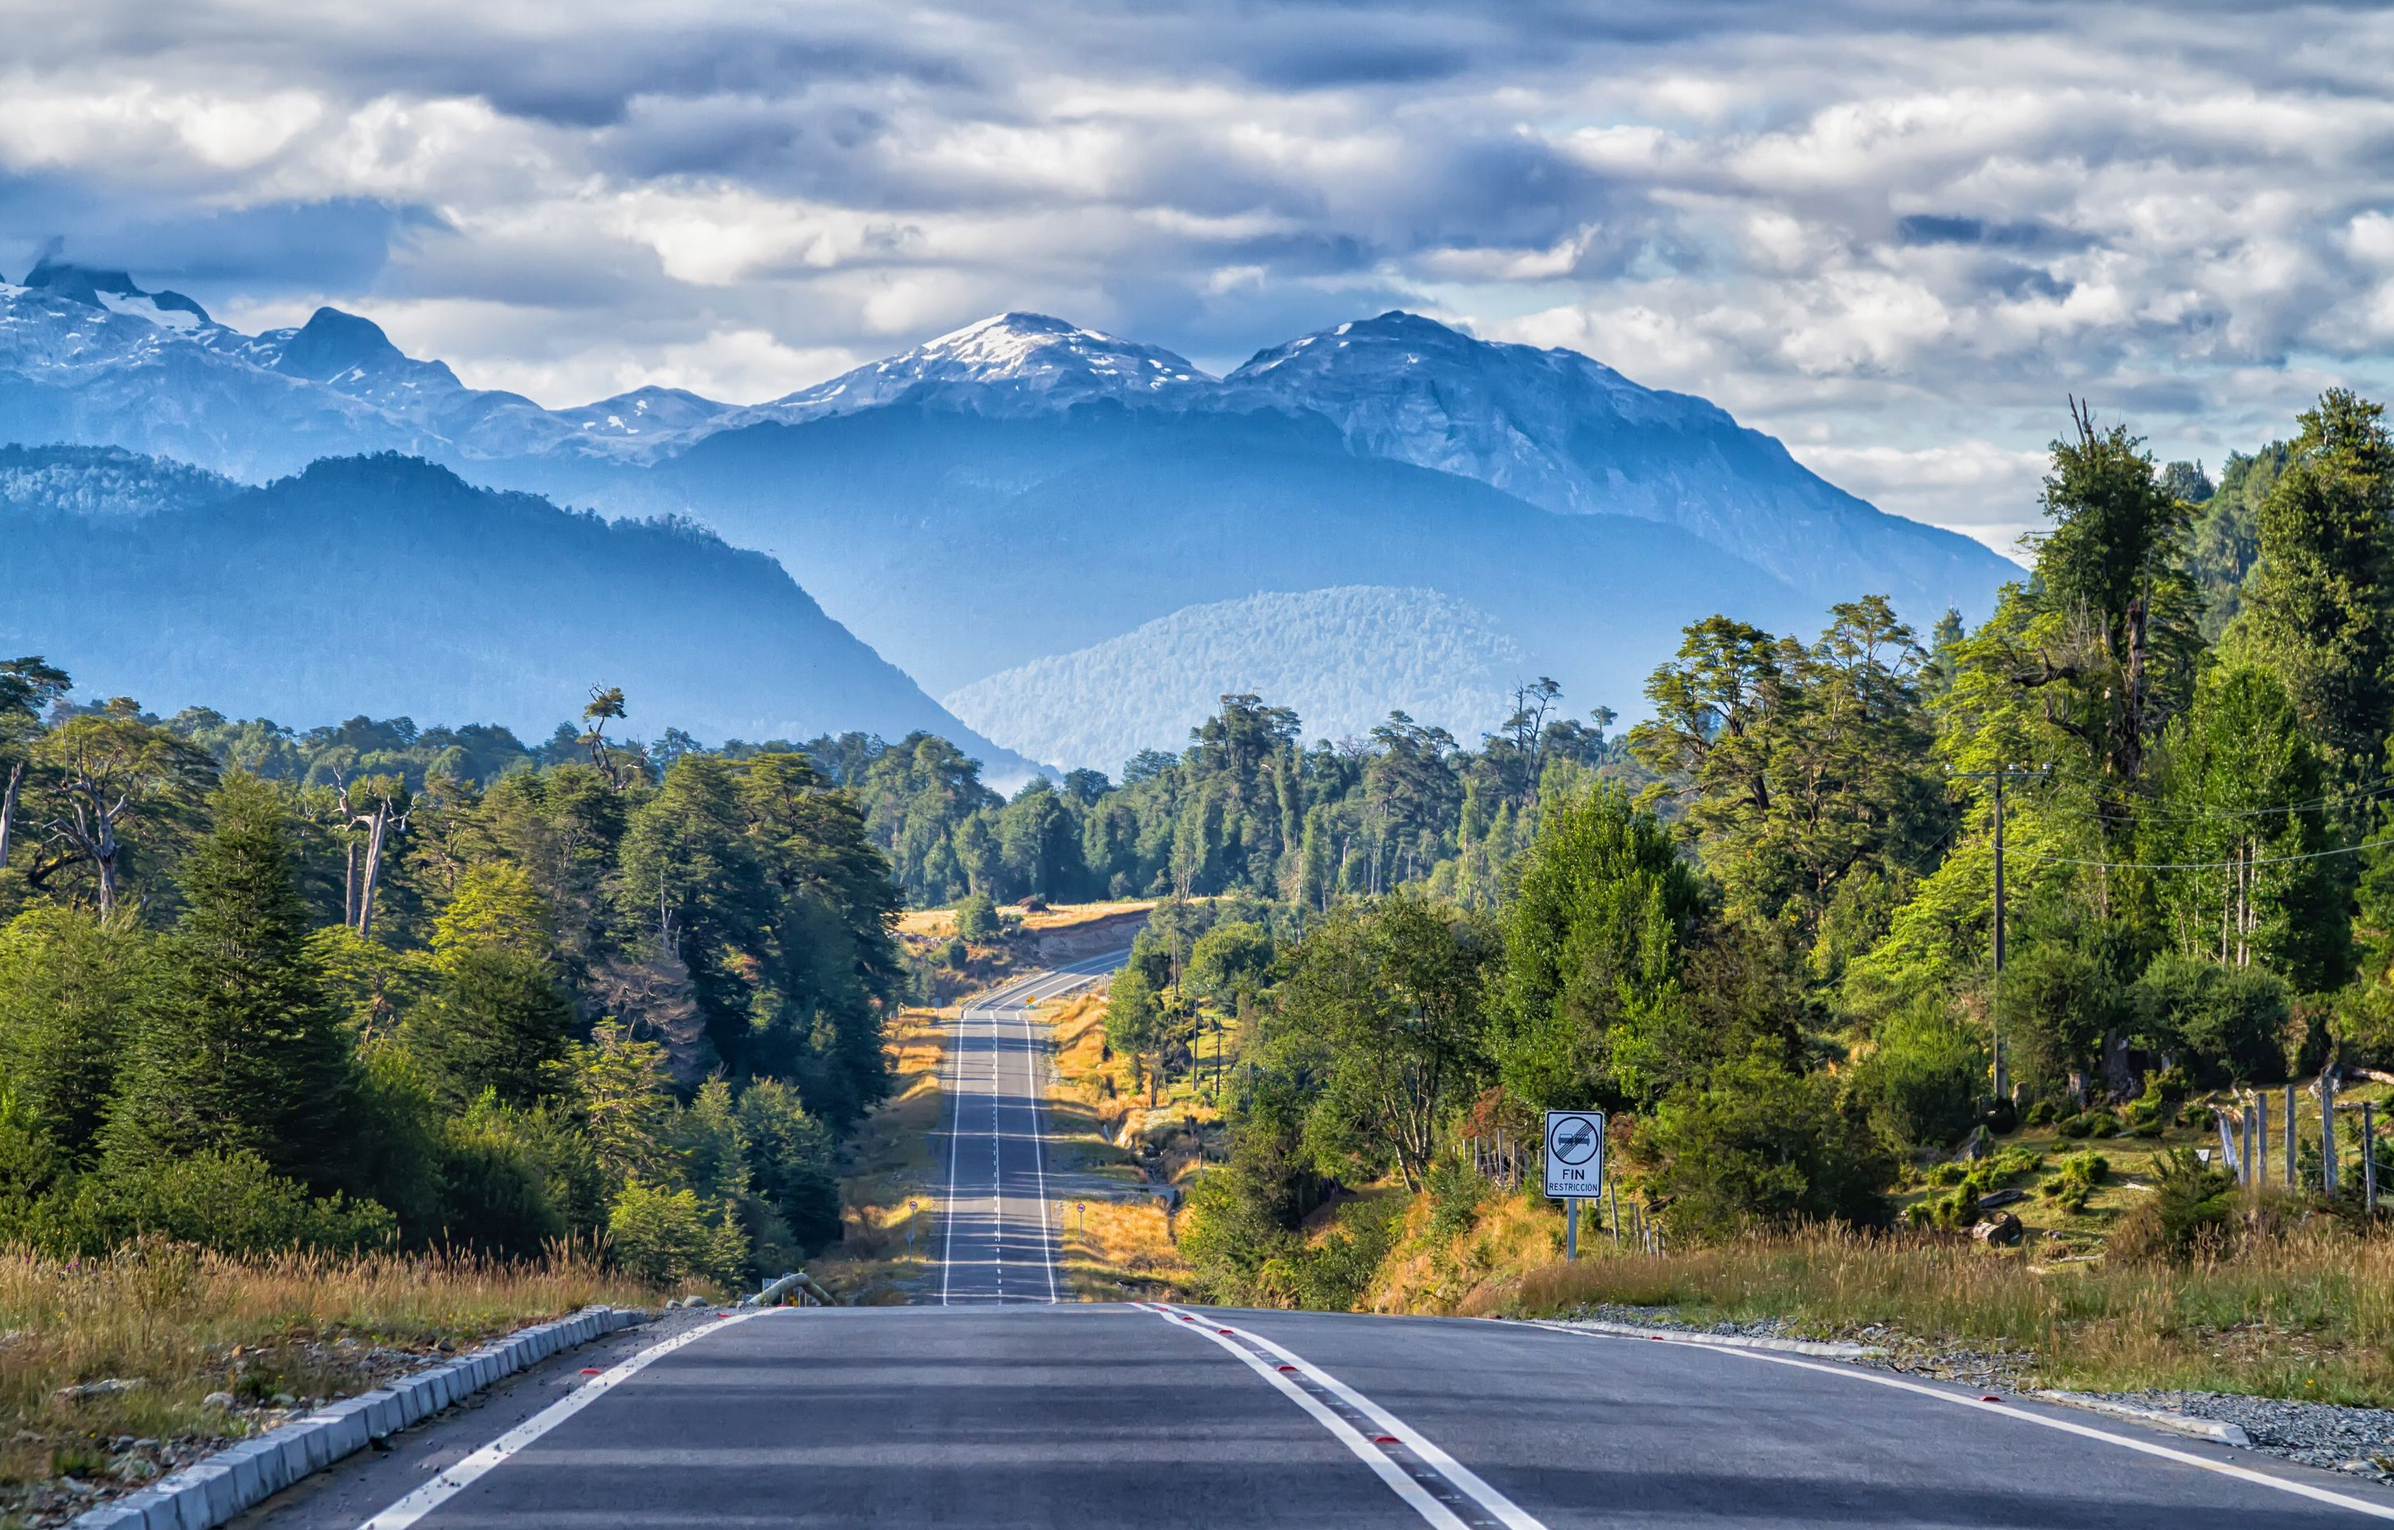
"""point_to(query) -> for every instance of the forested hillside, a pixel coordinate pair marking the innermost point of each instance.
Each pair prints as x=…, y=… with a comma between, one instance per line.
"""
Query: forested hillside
x=388, y=585
x=1342, y=659
x=382, y=991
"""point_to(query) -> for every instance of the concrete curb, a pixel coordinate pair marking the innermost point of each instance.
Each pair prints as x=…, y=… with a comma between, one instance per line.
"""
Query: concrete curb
x=2156, y=1418
x=209, y=1493
x=1818, y=1348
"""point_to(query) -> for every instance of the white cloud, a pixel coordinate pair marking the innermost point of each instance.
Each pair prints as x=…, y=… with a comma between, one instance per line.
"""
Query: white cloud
x=1895, y=238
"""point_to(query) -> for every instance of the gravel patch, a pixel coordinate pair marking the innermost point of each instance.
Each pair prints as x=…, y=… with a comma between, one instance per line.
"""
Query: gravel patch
x=2359, y=1441
x=2356, y=1441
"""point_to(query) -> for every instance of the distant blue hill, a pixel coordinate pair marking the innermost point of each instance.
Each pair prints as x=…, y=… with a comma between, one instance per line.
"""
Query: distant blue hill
x=387, y=585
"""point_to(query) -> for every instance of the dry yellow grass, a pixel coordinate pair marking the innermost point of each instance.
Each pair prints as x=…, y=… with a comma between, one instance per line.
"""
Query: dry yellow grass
x=2308, y=1314
x=1121, y=1250
x=182, y=1324
x=890, y=1162
x=940, y=923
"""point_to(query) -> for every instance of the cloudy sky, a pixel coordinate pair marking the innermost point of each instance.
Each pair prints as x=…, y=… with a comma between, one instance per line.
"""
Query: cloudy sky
x=1895, y=234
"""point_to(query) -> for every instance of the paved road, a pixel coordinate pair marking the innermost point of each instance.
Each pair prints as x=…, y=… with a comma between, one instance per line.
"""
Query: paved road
x=1127, y=1416
x=991, y=1413
x=998, y=1242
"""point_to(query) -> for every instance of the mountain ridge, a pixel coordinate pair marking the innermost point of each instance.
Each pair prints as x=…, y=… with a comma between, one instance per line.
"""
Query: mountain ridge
x=389, y=585
x=1553, y=427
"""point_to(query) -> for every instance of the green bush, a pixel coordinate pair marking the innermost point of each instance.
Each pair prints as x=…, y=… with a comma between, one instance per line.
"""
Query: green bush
x=955, y=954
x=1758, y=1146
x=2188, y=1212
x=667, y=1237
x=2090, y=1123
x=1455, y=1194
x=977, y=917
x=231, y=1202
x=1332, y=1275
x=1920, y=1084
x=2075, y=1184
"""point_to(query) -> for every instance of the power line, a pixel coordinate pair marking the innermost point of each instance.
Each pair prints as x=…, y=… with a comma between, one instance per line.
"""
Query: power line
x=2257, y=860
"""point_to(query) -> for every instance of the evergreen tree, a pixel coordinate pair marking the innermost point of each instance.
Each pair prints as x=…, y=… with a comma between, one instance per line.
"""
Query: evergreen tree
x=74, y=989
x=2319, y=606
x=244, y=1054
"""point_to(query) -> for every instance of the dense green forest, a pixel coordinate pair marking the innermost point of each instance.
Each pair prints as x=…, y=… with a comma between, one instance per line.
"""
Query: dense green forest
x=1774, y=961
x=370, y=984
x=376, y=981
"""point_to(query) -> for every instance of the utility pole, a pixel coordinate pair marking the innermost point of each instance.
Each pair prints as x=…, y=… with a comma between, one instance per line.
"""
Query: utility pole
x=1995, y=1004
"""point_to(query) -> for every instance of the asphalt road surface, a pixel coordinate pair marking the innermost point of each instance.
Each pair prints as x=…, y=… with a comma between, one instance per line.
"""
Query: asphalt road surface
x=1131, y=1416
x=997, y=1241
x=1001, y=1408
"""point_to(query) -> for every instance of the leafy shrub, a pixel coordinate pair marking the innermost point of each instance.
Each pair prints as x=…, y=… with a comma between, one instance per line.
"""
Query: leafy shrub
x=977, y=917
x=1759, y=1146
x=2187, y=1213
x=2075, y=1184
x=667, y=1237
x=954, y=954
x=1333, y=1274
x=1455, y=1194
x=2040, y=1113
x=231, y=1202
x=2090, y=1123
x=1921, y=1083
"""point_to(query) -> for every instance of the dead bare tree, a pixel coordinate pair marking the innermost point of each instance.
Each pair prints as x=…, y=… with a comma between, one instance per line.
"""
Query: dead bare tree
x=380, y=810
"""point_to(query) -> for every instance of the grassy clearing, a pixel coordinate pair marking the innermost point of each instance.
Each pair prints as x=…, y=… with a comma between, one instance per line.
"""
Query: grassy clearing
x=1118, y=1239
x=278, y=1333
x=890, y=1161
x=1121, y=1250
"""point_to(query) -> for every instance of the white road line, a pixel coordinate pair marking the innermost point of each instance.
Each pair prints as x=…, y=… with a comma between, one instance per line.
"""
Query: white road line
x=1453, y=1470
x=473, y=1468
x=1421, y=1445
x=947, y=1253
x=1371, y=1455
x=2125, y=1442
x=1030, y=1073
x=1022, y=993
x=997, y=1168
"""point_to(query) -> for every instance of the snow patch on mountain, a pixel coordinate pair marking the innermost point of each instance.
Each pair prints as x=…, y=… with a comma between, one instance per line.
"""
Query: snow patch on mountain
x=1012, y=363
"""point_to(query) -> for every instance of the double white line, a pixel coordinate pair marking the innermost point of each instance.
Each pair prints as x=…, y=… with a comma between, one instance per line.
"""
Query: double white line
x=1436, y=1486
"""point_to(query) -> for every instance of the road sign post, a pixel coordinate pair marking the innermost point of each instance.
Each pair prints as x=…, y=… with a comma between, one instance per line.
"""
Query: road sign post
x=1574, y=1166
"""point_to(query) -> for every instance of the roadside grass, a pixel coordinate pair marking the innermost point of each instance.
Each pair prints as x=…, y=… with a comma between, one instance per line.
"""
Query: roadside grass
x=178, y=1324
x=1121, y=1250
x=2308, y=1315
x=941, y=922
x=890, y=1160
x=1117, y=1240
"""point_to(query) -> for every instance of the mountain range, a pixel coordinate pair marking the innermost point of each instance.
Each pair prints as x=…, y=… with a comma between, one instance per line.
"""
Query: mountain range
x=387, y=585
x=1024, y=489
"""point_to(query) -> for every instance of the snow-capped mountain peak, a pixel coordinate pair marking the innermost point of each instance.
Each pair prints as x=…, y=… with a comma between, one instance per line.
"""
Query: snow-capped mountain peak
x=1009, y=363
x=115, y=291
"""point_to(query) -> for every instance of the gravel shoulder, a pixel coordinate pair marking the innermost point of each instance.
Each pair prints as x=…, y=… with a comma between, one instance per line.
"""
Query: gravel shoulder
x=2358, y=1442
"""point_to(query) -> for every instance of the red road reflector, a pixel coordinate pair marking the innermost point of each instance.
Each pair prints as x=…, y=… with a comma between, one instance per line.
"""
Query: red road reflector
x=590, y=1370
x=1384, y=1439
x=1989, y=1397
x=1221, y=1330
x=1290, y=1368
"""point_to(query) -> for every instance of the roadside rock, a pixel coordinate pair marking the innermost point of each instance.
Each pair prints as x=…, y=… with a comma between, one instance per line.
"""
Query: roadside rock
x=2001, y=1230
